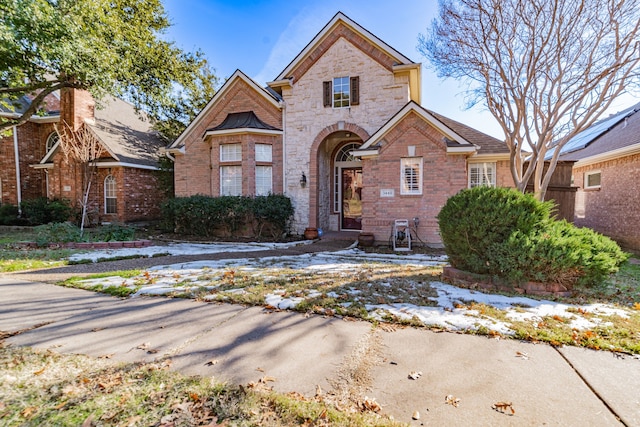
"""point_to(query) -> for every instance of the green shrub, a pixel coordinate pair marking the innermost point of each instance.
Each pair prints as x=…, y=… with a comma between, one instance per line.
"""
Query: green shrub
x=44, y=211
x=213, y=216
x=61, y=232
x=9, y=215
x=509, y=235
x=113, y=233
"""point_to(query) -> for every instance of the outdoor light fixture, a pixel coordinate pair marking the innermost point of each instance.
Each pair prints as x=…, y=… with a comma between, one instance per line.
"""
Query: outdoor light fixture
x=303, y=180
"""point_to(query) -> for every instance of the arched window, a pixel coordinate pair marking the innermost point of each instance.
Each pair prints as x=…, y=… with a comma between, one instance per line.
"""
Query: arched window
x=344, y=154
x=52, y=139
x=110, y=195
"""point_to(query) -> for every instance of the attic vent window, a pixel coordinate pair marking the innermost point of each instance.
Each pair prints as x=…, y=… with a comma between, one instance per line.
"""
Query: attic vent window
x=52, y=139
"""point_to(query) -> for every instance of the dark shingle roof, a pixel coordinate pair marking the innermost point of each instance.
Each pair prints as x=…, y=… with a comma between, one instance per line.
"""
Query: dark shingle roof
x=126, y=134
x=246, y=119
x=615, y=132
x=487, y=143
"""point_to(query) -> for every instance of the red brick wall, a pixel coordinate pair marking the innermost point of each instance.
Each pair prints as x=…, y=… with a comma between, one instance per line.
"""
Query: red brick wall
x=614, y=208
x=32, y=138
x=76, y=105
x=443, y=176
x=194, y=171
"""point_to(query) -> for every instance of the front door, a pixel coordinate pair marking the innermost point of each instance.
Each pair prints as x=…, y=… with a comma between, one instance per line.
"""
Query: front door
x=351, y=215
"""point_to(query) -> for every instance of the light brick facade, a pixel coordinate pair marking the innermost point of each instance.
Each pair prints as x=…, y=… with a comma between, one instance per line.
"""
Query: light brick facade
x=314, y=133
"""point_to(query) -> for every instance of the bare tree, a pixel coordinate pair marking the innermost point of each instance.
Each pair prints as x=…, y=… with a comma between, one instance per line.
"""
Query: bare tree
x=545, y=69
x=81, y=148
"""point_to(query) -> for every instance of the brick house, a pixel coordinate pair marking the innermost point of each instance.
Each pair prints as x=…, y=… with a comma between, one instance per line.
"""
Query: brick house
x=341, y=132
x=606, y=172
x=125, y=187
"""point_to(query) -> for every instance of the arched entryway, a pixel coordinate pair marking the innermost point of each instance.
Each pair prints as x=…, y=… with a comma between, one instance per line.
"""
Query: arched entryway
x=329, y=168
x=347, y=187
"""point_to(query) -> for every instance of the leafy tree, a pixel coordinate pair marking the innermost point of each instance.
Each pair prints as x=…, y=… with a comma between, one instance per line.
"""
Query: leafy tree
x=109, y=47
x=545, y=69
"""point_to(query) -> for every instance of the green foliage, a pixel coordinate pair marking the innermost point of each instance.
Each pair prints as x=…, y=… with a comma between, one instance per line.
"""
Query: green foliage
x=109, y=47
x=213, y=216
x=61, y=232
x=44, y=211
x=509, y=235
x=9, y=215
x=113, y=233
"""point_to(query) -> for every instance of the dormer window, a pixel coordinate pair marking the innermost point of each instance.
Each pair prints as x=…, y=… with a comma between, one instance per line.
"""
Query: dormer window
x=341, y=92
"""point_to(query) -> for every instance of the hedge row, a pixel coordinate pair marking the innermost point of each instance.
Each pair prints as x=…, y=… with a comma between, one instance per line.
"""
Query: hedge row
x=228, y=216
x=512, y=236
x=36, y=212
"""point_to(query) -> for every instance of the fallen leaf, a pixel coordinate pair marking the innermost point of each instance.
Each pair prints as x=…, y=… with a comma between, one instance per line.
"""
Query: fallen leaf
x=106, y=356
x=143, y=346
x=522, y=355
x=29, y=411
x=416, y=415
x=413, y=375
x=97, y=329
x=503, y=406
x=370, y=404
x=152, y=351
x=452, y=400
x=259, y=369
x=212, y=362
x=88, y=422
x=266, y=379
x=41, y=371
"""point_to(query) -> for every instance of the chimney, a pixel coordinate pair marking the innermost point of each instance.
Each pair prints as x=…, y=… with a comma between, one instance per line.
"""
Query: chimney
x=76, y=105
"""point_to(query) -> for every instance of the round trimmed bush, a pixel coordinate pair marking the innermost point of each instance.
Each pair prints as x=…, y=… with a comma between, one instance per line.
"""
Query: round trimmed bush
x=512, y=236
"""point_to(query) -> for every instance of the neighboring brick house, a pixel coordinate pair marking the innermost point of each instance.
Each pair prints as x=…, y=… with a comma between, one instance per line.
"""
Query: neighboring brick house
x=125, y=188
x=342, y=133
x=607, y=172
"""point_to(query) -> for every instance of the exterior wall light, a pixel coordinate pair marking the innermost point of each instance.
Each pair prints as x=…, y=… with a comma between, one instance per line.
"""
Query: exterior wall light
x=303, y=180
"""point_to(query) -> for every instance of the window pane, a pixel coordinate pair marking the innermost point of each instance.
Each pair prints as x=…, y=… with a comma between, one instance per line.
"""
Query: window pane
x=411, y=170
x=263, y=153
x=593, y=180
x=231, y=180
x=230, y=152
x=341, y=88
x=110, y=195
x=263, y=180
x=482, y=174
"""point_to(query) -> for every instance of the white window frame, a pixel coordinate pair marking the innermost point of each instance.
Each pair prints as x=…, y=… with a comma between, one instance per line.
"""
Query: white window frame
x=410, y=162
x=231, y=184
x=264, y=153
x=588, y=175
x=341, y=92
x=110, y=193
x=264, y=180
x=231, y=152
x=486, y=170
x=52, y=140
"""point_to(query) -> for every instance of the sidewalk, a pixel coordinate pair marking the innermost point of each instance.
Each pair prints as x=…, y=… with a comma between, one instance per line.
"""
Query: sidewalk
x=564, y=387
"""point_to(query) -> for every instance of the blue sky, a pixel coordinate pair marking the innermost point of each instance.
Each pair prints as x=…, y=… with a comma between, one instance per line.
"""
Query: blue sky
x=261, y=37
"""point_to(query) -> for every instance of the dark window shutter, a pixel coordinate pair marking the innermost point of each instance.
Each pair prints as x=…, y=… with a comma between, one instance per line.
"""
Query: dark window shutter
x=326, y=94
x=355, y=90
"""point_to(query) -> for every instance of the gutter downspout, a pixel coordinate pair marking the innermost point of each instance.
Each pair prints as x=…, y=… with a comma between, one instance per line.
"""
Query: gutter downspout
x=284, y=147
x=17, y=157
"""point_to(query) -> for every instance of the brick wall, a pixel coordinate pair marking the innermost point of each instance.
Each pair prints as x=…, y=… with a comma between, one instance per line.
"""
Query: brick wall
x=194, y=171
x=76, y=106
x=32, y=138
x=381, y=95
x=443, y=176
x=613, y=209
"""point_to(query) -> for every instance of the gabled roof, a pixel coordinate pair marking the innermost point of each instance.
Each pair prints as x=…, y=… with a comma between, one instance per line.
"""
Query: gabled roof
x=127, y=137
x=48, y=112
x=459, y=138
x=398, y=62
x=268, y=95
x=611, y=137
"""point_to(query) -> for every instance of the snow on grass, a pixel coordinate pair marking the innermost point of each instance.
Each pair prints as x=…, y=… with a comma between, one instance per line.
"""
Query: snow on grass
x=181, y=249
x=453, y=308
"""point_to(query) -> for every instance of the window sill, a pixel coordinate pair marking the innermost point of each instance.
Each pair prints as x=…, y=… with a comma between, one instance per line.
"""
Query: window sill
x=592, y=189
